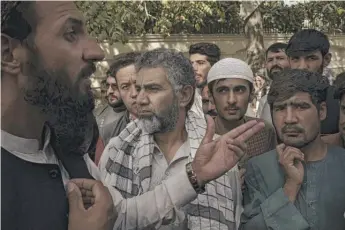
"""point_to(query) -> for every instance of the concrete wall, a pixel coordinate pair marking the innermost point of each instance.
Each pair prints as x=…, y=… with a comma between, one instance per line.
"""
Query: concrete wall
x=230, y=45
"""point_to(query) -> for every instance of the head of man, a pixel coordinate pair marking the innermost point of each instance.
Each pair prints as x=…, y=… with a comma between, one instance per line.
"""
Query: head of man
x=207, y=106
x=230, y=82
x=124, y=72
x=203, y=56
x=113, y=94
x=47, y=59
x=297, y=102
x=309, y=49
x=340, y=94
x=339, y=79
x=165, y=85
x=276, y=59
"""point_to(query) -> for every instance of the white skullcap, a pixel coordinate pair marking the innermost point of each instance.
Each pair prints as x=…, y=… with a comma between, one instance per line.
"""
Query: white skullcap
x=230, y=68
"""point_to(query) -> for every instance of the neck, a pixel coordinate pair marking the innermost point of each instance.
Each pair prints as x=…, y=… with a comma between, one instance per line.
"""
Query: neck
x=223, y=126
x=119, y=108
x=170, y=142
x=315, y=151
x=17, y=116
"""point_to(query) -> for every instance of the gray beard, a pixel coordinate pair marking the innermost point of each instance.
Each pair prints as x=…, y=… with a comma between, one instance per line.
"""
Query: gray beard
x=161, y=123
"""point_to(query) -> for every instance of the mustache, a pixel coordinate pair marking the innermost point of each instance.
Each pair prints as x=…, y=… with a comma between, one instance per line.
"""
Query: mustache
x=292, y=128
x=87, y=71
x=276, y=67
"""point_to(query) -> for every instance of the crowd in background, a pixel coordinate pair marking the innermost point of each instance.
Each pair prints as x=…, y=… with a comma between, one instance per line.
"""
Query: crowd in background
x=177, y=146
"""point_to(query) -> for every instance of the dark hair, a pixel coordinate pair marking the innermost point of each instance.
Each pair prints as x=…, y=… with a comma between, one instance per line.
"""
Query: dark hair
x=17, y=19
x=340, y=78
x=340, y=86
x=291, y=81
x=177, y=67
x=308, y=40
x=276, y=47
x=210, y=50
x=121, y=61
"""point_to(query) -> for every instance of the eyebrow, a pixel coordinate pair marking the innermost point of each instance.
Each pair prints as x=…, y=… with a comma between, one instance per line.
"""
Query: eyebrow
x=74, y=21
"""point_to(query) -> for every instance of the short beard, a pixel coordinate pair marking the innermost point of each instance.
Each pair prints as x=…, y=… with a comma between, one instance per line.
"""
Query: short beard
x=161, y=123
x=67, y=110
x=201, y=84
x=303, y=144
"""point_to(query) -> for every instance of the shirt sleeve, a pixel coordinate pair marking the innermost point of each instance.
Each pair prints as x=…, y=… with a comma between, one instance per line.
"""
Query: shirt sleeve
x=268, y=212
x=154, y=208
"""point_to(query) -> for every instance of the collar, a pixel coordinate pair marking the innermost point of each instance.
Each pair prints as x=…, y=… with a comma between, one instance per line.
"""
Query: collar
x=30, y=146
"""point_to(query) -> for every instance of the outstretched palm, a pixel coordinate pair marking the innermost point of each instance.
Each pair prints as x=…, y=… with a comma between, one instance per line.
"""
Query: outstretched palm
x=214, y=157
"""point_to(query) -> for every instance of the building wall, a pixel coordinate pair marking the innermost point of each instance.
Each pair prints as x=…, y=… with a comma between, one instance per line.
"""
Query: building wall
x=230, y=45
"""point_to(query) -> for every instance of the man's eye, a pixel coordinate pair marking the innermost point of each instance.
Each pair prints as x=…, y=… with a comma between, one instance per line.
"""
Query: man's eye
x=71, y=35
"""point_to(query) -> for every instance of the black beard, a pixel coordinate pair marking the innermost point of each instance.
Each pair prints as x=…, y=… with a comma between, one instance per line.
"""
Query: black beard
x=67, y=110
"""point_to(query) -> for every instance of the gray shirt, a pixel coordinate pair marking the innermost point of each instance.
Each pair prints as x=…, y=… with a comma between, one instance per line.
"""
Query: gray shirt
x=320, y=203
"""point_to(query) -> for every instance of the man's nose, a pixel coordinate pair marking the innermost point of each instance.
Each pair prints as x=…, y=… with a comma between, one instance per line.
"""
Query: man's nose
x=92, y=51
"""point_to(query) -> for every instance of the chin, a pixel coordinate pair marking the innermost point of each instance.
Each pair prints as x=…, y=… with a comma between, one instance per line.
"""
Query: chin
x=296, y=144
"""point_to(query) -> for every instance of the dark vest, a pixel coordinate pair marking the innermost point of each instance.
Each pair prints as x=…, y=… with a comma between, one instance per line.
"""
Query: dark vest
x=33, y=196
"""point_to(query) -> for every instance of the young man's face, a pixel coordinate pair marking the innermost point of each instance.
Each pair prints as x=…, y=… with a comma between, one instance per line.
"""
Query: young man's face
x=276, y=62
x=231, y=98
x=113, y=94
x=313, y=61
x=297, y=120
x=126, y=79
x=201, y=67
x=342, y=117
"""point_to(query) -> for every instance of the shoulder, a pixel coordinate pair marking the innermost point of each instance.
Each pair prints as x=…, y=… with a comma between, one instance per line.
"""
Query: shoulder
x=99, y=110
x=265, y=161
x=336, y=151
x=268, y=126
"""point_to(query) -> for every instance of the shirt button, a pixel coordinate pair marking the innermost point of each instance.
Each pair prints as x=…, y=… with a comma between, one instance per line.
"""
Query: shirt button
x=54, y=173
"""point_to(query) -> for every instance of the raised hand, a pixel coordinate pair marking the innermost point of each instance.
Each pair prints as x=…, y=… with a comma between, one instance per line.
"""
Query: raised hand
x=100, y=214
x=215, y=157
x=291, y=159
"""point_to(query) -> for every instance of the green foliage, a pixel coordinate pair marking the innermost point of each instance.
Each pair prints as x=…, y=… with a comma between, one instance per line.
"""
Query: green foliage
x=116, y=20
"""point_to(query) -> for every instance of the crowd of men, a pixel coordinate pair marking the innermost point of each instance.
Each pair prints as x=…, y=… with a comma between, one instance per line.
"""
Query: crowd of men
x=174, y=148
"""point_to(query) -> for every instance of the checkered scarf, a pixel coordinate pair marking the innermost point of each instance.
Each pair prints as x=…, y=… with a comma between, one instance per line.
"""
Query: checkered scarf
x=131, y=165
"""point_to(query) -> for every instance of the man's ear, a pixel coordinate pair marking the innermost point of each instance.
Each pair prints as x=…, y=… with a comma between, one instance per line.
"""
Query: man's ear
x=327, y=59
x=323, y=111
x=9, y=64
x=186, y=95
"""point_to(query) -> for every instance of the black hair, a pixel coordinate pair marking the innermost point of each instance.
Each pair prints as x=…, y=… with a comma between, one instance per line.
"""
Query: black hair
x=18, y=19
x=121, y=61
x=339, y=83
x=291, y=81
x=210, y=50
x=276, y=47
x=308, y=40
x=340, y=78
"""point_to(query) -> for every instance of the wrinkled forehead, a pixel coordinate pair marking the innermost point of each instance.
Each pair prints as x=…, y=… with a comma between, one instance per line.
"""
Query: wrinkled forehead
x=52, y=15
x=297, y=98
x=305, y=53
x=280, y=53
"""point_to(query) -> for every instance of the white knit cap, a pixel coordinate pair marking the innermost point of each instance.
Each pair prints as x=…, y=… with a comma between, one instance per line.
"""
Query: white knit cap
x=230, y=68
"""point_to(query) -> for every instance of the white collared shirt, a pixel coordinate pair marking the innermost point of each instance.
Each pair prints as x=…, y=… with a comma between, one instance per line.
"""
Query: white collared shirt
x=28, y=150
